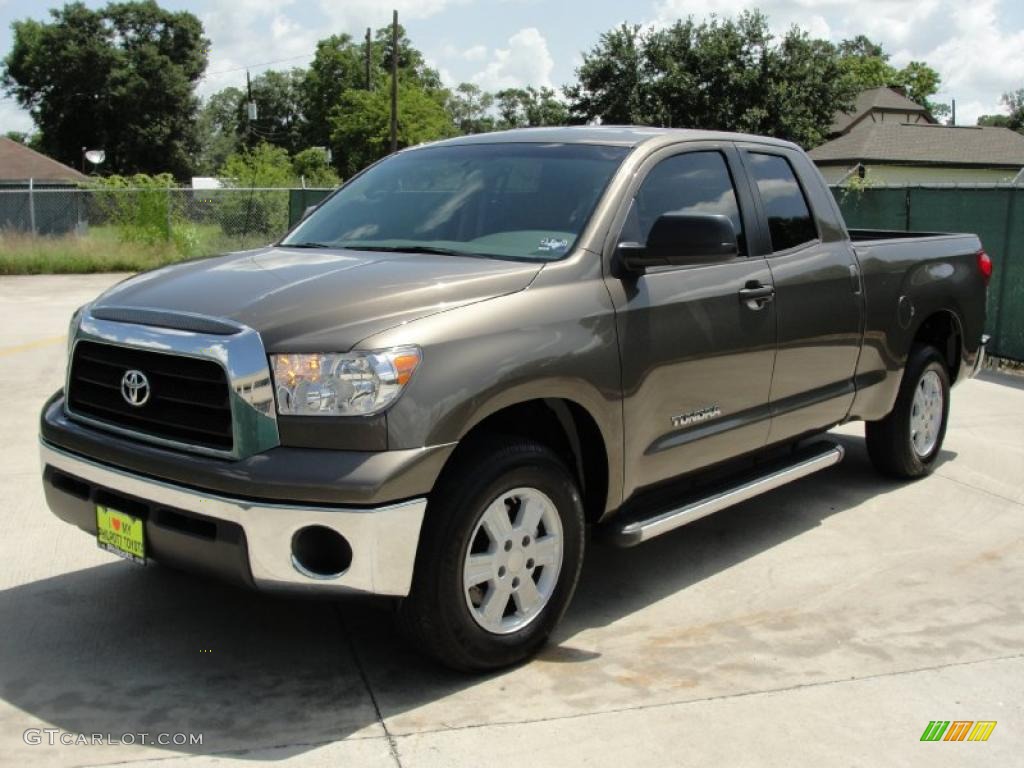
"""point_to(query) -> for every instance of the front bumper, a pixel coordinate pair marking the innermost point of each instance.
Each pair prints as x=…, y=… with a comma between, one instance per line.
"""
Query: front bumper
x=243, y=540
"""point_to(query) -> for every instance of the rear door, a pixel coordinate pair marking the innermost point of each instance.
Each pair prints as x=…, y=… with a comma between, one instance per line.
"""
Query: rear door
x=696, y=357
x=818, y=301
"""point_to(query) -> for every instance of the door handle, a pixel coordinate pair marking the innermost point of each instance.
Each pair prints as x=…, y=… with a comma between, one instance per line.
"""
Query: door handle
x=756, y=295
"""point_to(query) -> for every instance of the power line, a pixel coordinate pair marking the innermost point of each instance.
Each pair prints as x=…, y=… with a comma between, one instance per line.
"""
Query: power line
x=254, y=66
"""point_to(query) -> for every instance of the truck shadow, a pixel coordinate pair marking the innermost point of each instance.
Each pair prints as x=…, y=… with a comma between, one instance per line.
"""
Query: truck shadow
x=114, y=649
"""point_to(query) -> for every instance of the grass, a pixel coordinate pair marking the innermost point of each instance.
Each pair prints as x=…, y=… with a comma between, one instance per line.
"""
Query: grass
x=104, y=250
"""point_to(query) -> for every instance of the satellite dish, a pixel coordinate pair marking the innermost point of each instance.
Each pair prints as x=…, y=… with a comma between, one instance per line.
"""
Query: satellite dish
x=95, y=156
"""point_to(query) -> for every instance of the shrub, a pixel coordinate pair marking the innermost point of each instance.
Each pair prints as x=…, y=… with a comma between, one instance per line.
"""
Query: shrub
x=142, y=207
x=260, y=211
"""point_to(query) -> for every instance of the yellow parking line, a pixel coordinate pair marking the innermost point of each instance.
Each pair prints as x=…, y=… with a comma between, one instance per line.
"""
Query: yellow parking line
x=4, y=351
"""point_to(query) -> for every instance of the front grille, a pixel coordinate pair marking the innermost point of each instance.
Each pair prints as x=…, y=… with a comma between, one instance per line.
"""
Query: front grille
x=188, y=397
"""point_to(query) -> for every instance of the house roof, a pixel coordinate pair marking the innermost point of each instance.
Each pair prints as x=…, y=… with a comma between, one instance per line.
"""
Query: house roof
x=19, y=163
x=924, y=144
x=884, y=99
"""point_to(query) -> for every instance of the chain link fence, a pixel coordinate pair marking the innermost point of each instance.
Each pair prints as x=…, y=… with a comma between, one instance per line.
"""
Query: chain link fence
x=171, y=224
x=195, y=222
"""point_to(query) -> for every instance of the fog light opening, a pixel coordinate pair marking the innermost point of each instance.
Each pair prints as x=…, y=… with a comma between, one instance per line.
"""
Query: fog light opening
x=320, y=552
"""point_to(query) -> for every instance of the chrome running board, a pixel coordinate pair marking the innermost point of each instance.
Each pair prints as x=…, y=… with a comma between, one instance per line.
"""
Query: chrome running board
x=807, y=462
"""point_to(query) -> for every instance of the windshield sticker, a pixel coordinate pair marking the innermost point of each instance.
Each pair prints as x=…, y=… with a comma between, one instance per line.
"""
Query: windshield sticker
x=549, y=244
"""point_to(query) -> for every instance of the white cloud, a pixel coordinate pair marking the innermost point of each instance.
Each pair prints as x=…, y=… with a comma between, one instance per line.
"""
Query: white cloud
x=359, y=14
x=13, y=117
x=475, y=53
x=526, y=61
x=244, y=33
x=979, y=61
x=252, y=32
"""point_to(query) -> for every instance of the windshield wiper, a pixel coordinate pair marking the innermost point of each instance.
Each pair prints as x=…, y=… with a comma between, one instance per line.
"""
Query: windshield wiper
x=305, y=245
x=430, y=249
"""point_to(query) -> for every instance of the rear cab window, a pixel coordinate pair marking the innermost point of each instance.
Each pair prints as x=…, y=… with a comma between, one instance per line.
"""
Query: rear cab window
x=790, y=222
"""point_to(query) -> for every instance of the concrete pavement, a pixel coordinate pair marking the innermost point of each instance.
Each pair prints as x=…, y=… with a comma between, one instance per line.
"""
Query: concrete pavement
x=825, y=623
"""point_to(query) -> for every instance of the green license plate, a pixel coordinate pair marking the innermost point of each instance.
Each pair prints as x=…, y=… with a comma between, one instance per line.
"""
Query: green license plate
x=121, y=534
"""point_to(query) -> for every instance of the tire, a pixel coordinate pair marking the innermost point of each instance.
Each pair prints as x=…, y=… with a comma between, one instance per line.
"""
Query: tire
x=467, y=627
x=907, y=442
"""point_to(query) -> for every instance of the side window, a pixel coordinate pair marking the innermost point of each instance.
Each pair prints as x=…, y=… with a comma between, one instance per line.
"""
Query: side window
x=695, y=182
x=789, y=219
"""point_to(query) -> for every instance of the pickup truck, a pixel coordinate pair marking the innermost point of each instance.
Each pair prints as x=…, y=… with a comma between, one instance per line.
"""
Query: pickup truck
x=477, y=351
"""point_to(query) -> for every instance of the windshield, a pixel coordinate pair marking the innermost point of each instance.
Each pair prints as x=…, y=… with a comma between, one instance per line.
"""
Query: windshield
x=522, y=201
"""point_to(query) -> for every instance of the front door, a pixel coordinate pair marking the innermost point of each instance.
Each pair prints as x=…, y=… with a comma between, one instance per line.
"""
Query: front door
x=696, y=356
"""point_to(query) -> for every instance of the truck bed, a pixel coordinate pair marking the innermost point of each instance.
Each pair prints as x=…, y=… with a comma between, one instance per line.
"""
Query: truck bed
x=867, y=235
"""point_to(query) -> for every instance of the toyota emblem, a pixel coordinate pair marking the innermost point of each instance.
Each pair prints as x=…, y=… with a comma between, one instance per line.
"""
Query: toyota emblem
x=135, y=388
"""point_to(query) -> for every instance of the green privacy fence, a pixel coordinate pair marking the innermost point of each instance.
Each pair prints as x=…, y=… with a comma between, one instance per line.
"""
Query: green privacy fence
x=300, y=199
x=993, y=212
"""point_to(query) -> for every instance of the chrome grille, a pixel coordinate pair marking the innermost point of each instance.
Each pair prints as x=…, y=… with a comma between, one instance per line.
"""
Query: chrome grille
x=189, y=398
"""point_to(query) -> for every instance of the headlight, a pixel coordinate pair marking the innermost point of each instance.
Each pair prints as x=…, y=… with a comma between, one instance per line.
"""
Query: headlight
x=342, y=384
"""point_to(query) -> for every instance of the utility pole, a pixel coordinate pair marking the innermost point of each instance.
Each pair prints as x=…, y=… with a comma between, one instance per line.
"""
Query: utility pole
x=250, y=106
x=394, y=82
x=952, y=120
x=369, y=55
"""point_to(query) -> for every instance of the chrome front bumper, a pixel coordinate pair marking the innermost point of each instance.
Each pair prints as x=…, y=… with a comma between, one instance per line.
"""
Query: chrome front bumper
x=383, y=539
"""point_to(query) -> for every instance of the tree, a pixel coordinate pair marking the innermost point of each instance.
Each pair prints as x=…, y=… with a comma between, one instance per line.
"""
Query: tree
x=361, y=123
x=280, y=118
x=31, y=140
x=311, y=166
x=217, y=128
x=863, y=48
x=339, y=66
x=867, y=64
x=412, y=66
x=120, y=78
x=1014, y=102
x=530, y=107
x=921, y=82
x=613, y=82
x=725, y=74
x=994, y=121
x=258, y=211
x=469, y=108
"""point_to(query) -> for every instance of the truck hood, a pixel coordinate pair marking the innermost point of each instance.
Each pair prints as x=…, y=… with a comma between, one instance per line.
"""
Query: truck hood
x=320, y=300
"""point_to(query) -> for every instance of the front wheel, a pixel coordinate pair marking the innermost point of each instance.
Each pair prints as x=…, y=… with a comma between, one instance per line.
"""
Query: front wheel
x=499, y=556
x=907, y=442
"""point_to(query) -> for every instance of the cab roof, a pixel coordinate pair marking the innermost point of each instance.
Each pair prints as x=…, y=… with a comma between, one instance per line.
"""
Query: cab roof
x=614, y=135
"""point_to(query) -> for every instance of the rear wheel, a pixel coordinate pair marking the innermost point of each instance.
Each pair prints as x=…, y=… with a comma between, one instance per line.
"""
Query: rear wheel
x=907, y=442
x=499, y=556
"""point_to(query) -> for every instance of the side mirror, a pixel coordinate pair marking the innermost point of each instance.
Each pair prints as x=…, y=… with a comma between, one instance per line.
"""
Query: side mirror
x=680, y=239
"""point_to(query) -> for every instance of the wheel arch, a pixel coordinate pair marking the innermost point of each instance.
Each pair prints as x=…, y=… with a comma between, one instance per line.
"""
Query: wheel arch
x=943, y=330
x=569, y=429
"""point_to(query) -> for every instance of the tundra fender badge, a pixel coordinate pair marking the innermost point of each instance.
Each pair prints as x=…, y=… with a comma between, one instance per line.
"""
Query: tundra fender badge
x=696, y=417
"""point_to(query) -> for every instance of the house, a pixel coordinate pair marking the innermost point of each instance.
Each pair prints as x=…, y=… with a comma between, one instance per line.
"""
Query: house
x=37, y=194
x=19, y=164
x=880, y=105
x=890, y=139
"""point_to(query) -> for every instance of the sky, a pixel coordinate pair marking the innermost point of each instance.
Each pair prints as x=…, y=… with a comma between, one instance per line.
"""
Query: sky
x=976, y=46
